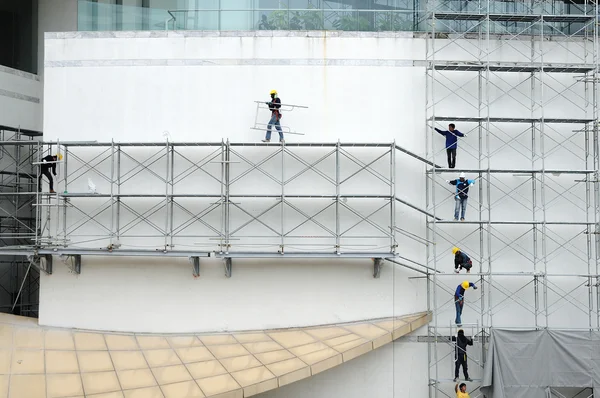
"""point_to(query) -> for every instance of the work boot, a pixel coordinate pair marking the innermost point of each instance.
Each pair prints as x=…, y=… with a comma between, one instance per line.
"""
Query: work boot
x=281, y=141
x=455, y=379
x=266, y=140
x=456, y=270
x=468, y=379
x=468, y=271
x=52, y=191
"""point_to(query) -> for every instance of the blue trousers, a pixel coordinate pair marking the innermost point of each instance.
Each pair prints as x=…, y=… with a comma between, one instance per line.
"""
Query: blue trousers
x=459, y=308
x=461, y=206
x=274, y=122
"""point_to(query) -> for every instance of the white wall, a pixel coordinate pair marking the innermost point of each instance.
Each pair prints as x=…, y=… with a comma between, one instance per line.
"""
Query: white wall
x=20, y=94
x=199, y=86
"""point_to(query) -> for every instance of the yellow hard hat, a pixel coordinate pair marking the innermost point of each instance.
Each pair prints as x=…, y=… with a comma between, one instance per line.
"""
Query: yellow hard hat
x=465, y=285
x=273, y=92
x=59, y=156
x=455, y=249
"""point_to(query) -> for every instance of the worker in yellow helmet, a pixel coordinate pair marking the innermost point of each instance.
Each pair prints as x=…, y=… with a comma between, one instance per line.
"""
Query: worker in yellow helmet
x=459, y=298
x=461, y=260
x=274, y=106
x=48, y=162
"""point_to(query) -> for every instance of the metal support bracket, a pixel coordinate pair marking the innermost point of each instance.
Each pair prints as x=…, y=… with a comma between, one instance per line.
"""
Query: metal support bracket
x=228, y=267
x=76, y=264
x=377, y=265
x=47, y=263
x=195, y=266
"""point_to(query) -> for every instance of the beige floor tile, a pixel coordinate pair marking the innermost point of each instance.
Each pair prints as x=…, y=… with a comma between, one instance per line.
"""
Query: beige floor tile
x=6, y=336
x=201, y=370
x=27, y=362
x=187, y=389
x=382, y=340
x=292, y=338
x=152, y=342
x=217, y=339
x=240, y=363
x=124, y=360
x=318, y=356
x=342, y=339
x=137, y=378
x=248, y=377
x=327, y=333
x=27, y=386
x=251, y=337
x=101, y=382
x=120, y=342
x=194, y=354
x=64, y=385
x=115, y=394
x=367, y=330
x=390, y=325
x=5, y=360
x=171, y=374
x=29, y=338
x=290, y=371
x=149, y=392
x=401, y=331
x=61, y=362
x=239, y=393
x=165, y=357
x=58, y=340
x=274, y=356
x=184, y=341
x=89, y=341
x=354, y=349
x=218, y=384
x=288, y=366
x=308, y=348
x=4, y=382
x=263, y=346
x=228, y=350
x=94, y=361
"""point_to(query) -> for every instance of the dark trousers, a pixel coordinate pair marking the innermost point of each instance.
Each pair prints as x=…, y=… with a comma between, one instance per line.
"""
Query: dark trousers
x=45, y=172
x=451, y=157
x=461, y=360
x=466, y=265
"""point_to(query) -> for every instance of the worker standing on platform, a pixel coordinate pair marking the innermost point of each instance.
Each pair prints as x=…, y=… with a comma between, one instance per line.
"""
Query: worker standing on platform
x=451, y=143
x=274, y=106
x=461, y=391
x=460, y=354
x=461, y=260
x=49, y=162
x=462, y=194
x=459, y=299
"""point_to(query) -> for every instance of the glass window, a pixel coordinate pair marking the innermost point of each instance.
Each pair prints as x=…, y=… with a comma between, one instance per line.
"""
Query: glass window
x=18, y=35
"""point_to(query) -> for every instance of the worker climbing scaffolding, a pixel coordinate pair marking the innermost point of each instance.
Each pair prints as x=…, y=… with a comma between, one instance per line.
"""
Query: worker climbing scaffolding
x=459, y=299
x=48, y=162
x=462, y=195
x=460, y=354
x=461, y=260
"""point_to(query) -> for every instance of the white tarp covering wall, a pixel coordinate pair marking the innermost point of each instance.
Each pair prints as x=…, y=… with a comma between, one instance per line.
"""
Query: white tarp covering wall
x=529, y=363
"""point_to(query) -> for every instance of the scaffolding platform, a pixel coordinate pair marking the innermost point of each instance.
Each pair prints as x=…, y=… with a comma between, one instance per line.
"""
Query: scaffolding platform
x=497, y=17
x=515, y=67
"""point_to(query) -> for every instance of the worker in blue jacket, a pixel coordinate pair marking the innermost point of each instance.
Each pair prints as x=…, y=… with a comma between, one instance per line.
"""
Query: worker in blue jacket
x=461, y=260
x=451, y=143
x=459, y=299
x=462, y=194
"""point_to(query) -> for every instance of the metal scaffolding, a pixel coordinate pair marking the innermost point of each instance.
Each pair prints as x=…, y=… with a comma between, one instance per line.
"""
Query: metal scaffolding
x=19, y=281
x=520, y=80
x=228, y=200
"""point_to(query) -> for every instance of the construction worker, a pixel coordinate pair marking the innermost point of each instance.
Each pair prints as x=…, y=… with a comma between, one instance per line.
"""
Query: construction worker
x=459, y=299
x=451, y=143
x=49, y=162
x=461, y=260
x=460, y=354
x=274, y=106
x=462, y=195
x=461, y=391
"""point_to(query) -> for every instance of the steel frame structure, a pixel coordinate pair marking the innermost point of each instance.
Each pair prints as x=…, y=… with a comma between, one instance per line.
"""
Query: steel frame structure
x=510, y=84
x=19, y=281
x=197, y=199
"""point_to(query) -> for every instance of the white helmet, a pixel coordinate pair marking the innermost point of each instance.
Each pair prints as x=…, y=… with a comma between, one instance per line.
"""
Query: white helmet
x=462, y=175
